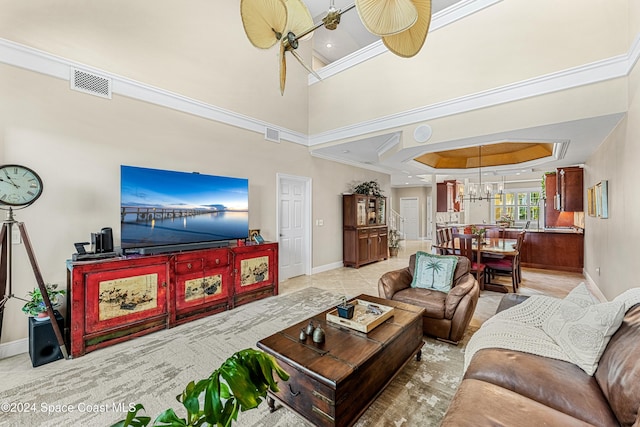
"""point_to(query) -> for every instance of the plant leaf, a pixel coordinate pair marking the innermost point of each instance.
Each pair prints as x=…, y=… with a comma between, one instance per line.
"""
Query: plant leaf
x=169, y=418
x=133, y=420
x=212, y=400
x=237, y=377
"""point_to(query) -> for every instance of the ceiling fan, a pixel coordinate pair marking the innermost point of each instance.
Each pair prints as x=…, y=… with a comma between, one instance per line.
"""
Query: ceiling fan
x=402, y=24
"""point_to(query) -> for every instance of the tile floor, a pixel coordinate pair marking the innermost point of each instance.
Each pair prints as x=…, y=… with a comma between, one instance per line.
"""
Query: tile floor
x=364, y=280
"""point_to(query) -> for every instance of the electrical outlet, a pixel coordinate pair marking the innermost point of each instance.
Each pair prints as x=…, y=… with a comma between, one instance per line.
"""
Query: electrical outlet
x=598, y=270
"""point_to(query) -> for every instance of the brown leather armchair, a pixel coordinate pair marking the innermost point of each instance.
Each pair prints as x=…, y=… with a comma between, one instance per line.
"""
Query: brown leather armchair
x=446, y=315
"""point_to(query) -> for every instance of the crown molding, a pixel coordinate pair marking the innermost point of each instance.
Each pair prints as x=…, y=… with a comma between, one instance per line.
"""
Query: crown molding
x=441, y=19
x=595, y=72
x=618, y=66
x=55, y=66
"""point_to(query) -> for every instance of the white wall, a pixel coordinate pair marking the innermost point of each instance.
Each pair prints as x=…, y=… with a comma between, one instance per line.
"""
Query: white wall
x=77, y=142
x=610, y=253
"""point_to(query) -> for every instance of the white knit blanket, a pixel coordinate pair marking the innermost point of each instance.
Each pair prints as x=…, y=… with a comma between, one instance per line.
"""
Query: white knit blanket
x=520, y=328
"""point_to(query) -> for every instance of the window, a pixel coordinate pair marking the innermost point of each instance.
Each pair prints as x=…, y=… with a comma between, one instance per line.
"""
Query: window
x=519, y=205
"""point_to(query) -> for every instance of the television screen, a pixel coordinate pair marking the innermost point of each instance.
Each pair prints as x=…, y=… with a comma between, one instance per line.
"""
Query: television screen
x=161, y=207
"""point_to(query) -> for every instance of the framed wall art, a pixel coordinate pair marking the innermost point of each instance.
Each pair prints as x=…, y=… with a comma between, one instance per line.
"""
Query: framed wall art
x=591, y=201
x=604, y=198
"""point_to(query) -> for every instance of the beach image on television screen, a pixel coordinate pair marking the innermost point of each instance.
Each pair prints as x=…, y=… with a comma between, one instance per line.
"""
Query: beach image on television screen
x=161, y=207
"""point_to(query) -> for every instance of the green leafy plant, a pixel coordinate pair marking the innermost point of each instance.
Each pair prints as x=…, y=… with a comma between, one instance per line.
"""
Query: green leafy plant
x=478, y=231
x=35, y=305
x=240, y=383
x=394, y=238
x=370, y=188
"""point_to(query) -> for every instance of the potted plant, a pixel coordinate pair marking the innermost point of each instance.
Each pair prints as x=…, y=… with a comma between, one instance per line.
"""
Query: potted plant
x=479, y=231
x=36, y=307
x=239, y=384
x=369, y=188
x=394, y=242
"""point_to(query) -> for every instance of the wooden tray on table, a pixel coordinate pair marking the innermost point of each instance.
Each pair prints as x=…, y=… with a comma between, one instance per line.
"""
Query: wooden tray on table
x=366, y=315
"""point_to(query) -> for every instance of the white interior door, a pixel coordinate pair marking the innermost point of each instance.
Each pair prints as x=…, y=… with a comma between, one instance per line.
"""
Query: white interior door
x=293, y=226
x=409, y=212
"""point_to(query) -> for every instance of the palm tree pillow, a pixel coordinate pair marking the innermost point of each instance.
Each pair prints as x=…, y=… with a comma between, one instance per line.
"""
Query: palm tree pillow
x=434, y=271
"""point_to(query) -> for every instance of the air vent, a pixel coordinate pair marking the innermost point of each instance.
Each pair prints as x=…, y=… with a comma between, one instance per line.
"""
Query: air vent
x=272, y=135
x=84, y=81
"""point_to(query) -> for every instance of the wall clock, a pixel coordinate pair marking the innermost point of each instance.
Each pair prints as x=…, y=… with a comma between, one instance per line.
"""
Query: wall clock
x=19, y=186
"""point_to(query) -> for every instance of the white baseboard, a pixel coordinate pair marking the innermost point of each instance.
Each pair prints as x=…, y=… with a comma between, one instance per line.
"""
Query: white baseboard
x=14, y=348
x=327, y=267
x=593, y=288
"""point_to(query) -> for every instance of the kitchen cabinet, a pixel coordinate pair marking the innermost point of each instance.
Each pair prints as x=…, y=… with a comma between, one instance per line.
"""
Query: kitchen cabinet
x=551, y=250
x=364, y=220
x=569, y=195
x=449, y=196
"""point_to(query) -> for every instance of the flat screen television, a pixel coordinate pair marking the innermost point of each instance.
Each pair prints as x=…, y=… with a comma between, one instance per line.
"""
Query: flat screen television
x=164, y=209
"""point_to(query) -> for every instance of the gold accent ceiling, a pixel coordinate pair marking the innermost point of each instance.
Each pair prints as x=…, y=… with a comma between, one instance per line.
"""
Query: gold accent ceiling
x=504, y=153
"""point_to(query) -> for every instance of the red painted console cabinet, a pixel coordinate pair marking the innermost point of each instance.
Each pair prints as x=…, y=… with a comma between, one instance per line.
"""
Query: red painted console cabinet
x=118, y=299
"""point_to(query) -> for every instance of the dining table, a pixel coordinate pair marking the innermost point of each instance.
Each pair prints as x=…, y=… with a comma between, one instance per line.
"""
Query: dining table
x=489, y=246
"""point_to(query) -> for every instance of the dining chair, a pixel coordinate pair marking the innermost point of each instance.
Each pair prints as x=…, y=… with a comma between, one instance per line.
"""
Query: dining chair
x=440, y=240
x=510, y=264
x=448, y=233
x=465, y=245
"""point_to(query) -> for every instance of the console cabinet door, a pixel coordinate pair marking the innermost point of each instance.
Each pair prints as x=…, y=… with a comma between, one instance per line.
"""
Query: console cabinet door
x=202, y=288
x=124, y=297
x=202, y=279
x=256, y=274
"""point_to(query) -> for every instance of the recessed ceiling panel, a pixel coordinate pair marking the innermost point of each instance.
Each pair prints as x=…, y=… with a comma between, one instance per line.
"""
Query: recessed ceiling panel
x=505, y=153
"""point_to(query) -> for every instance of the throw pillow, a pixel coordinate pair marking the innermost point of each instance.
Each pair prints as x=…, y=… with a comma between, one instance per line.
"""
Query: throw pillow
x=434, y=271
x=582, y=296
x=584, y=332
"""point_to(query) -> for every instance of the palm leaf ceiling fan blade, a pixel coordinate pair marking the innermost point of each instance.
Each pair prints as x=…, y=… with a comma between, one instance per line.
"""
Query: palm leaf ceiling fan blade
x=409, y=42
x=264, y=21
x=299, y=18
x=299, y=21
x=387, y=17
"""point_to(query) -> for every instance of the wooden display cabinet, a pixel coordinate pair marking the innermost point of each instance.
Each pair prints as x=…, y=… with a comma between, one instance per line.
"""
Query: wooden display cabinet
x=364, y=220
x=114, y=300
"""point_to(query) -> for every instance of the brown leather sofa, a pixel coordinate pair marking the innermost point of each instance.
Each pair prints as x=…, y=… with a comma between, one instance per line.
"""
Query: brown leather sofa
x=446, y=315
x=511, y=388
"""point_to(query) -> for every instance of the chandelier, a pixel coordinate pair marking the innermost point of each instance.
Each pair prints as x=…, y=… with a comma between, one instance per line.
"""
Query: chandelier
x=479, y=191
x=402, y=25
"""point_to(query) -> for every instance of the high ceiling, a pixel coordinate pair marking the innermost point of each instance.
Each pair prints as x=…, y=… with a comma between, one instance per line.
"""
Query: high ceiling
x=351, y=35
x=570, y=143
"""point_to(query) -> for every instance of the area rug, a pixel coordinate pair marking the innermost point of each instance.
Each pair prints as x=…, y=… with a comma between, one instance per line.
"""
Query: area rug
x=95, y=389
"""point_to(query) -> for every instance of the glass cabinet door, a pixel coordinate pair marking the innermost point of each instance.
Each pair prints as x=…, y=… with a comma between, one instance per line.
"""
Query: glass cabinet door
x=372, y=215
x=382, y=211
x=361, y=209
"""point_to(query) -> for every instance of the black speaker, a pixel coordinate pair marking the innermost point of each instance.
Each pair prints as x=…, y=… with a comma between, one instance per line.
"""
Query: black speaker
x=43, y=344
x=107, y=239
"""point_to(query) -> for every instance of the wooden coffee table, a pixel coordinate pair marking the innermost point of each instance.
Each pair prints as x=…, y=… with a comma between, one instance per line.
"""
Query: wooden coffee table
x=333, y=383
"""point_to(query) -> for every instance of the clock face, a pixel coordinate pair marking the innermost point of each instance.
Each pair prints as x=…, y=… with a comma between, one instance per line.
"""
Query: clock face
x=19, y=185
